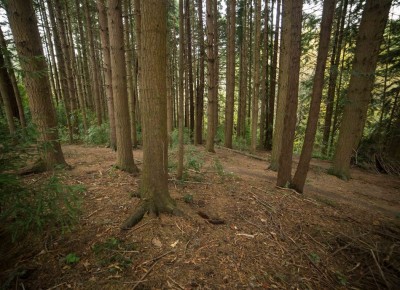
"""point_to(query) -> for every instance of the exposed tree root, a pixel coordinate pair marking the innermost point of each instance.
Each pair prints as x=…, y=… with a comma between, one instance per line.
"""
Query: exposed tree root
x=37, y=167
x=144, y=208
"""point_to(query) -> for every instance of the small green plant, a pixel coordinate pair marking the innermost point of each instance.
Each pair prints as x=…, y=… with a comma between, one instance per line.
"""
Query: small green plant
x=219, y=167
x=341, y=278
x=71, y=258
x=188, y=198
x=175, y=137
x=315, y=258
x=193, y=158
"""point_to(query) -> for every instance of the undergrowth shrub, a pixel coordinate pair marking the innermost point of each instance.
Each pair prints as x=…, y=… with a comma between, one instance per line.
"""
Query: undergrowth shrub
x=36, y=207
x=97, y=135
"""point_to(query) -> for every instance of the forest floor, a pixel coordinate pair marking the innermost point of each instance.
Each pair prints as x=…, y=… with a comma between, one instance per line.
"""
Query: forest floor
x=238, y=230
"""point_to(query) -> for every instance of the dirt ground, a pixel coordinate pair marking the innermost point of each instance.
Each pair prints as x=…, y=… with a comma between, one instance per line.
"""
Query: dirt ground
x=238, y=230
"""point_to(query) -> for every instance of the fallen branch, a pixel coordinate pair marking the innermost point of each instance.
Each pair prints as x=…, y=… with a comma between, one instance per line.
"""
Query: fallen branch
x=380, y=270
x=144, y=276
x=243, y=153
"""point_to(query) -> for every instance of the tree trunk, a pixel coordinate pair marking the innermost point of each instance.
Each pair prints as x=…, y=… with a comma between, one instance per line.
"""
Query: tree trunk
x=334, y=70
x=67, y=57
x=154, y=186
x=7, y=93
x=11, y=73
x=189, y=66
x=118, y=72
x=22, y=19
x=264, y=79
x=272, y=85
x=93, y=64
x=200, y=88
x=230, y=73
x=289, y=125
x=241, y=126
x=211, y=75
x=179, y=172
x=284, y=60
x=105, y=47
x=256, y=75
x=373, y=22
x=299, y=178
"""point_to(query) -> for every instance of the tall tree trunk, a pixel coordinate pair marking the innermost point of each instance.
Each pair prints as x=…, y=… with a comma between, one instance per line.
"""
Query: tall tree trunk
x=67, y=57
x=61, y=68
x=272, y=85
x=241, y=125
x=289, y=124
x=264, y=79
x=138, y=33
x=189, y=66
x=216, y=67
x=130, y=59
x=211, y=75
x=7, y=94
x=118, y=72
x=105, y=47
x=299, y=178
x=22, y=19
x=256, y=75
x=230, y=73
x=154, y=187
x=179, y=172
x=11, y=73
x=334, y=71
x=373, y=22
x=200, y=88
x=284, y=61
x=93, y=64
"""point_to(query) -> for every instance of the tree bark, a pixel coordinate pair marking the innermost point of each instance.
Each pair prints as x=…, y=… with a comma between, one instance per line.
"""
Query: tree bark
x=154, y=186
x=7, y=94
x=11, y=73
x=93, y=64
x=105, y=47
x=334, y=71
x=200, y=88
x=22, y=19
x=256, y=75
x=118, y=72
x=230, y=73
x=272, y=86
x=300, y=176
x=189, y=66
x=289, y=124
x=243, y=67
x=284, y=60
x=373, y=22
x=264, y=79
x=179, y=172
x=211, y=75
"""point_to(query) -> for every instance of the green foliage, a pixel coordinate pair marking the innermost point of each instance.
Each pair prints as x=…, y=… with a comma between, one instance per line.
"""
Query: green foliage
x=193, y=158
x=115, y=252
x=175, y=137
x=315, y=258
x=240, y=143
x=218, y=167
x=341, y=279
x=51, y=205
x=72, y=258
x=97, y=135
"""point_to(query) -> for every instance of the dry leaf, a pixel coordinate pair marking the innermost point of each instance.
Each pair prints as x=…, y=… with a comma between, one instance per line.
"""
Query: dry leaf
x=156, y=242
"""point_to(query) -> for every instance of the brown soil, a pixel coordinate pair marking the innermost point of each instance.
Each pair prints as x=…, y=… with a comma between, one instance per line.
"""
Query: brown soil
x=338, y=235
